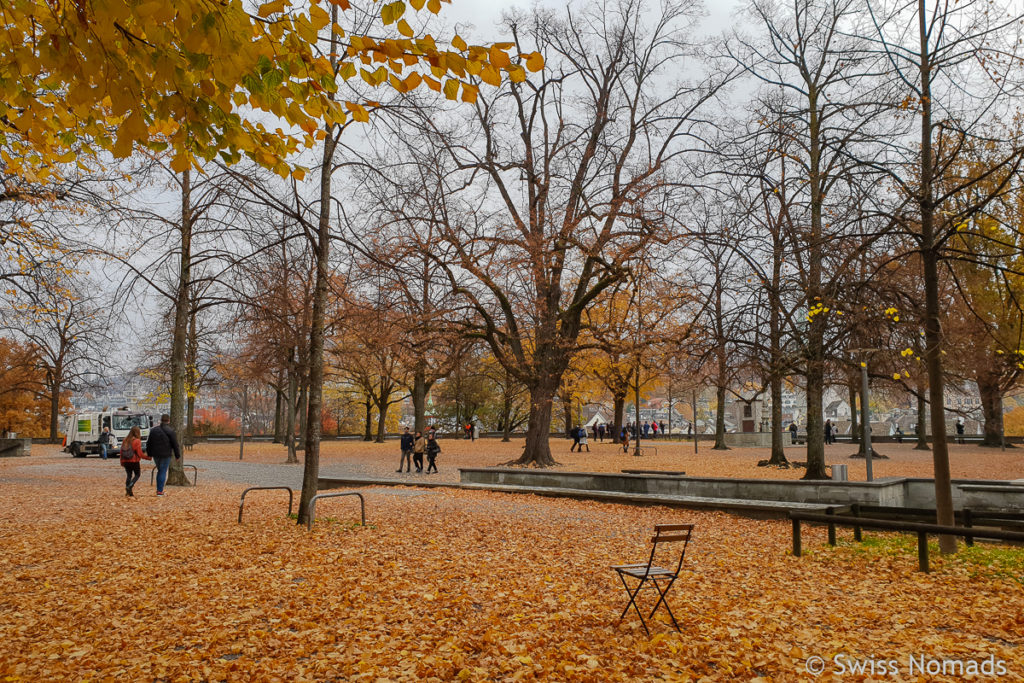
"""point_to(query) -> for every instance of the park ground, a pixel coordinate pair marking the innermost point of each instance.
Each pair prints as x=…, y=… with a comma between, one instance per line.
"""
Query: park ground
x=445, y=584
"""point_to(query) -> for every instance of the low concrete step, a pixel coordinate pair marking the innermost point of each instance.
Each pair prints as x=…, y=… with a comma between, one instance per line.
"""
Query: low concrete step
x=760, y=508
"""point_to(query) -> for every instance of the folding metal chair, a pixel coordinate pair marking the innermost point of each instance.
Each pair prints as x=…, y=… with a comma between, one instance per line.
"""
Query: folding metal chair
x=650, y=575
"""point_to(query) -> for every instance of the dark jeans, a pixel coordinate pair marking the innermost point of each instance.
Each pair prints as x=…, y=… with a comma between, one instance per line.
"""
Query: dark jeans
x=417, y=460
x=406, y=460
x=132, y=473
x=162, y=465
x=431, y=462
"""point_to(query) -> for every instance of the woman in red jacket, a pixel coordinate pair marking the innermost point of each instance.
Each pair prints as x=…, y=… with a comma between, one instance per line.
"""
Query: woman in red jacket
x=131, y=454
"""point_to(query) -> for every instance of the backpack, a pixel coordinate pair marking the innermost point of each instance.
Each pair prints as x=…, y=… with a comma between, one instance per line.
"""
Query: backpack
x=126, y=450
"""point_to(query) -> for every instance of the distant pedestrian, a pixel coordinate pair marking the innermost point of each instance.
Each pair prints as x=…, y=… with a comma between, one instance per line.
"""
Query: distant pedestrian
x=661, y=428
x=899, y=434
x=419, y=445
x=647, y=429
x=594, y=428
x=624, y=437
x=162, y=443
x=575, y=432
x=792, y=431
x=583, y=440
x=104, y=442
x=654, y=430
x=689, y=429
x=433, y=448
x=829, y=436
x=960, y=431
x=131, y=455
x=600, y=432
x=407, y=444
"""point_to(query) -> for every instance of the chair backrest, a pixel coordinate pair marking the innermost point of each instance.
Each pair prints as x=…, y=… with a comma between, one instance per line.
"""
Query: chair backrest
x=670, y=533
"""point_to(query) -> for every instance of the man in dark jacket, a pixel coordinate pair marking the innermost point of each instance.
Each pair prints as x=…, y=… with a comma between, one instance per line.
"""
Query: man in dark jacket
x=407, y=445
x=160, y=445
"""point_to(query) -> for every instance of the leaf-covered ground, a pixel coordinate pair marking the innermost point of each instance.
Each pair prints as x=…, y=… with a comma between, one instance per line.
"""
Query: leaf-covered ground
x=373, y=459
x=448, y=585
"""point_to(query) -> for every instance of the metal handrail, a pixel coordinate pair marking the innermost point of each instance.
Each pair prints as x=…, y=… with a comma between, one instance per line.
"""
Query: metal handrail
x=311, y=510
x=922, y=531
x=241, y=503
x=195, y=474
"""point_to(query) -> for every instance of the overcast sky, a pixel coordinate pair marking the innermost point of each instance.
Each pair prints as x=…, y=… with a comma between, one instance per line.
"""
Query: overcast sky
x=485, y=14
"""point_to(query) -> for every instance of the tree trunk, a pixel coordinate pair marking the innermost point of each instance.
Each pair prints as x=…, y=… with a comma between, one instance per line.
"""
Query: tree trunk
x=303, y=411
x=992, y=410
x=720, y=419
x=382, y=417
x=322, y=250
x=567, y=414
x=778, y=456
x=619, y=408
x=176, y=474
x=368, y=422
x=854, y=415
x=293, y=390
x=538, y=450
x=54, y=409
x=932, y=326
x=278, y=409
x=190, y=421
x=419, y=398
x=922, y=422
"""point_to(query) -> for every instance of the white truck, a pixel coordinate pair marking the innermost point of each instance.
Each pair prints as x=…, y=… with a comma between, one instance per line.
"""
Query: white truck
x=83, y=430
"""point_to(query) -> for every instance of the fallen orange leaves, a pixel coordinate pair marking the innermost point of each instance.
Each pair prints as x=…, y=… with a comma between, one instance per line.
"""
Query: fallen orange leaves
x=442, y=585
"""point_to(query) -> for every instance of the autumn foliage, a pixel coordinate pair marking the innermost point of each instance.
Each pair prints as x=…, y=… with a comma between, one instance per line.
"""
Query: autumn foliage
x=24, y=407
x=450, y=585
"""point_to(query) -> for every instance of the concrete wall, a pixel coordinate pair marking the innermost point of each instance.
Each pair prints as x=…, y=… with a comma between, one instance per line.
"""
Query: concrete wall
x=886, y=492
x=752, y=439
x=15, y=448
x=897, y=492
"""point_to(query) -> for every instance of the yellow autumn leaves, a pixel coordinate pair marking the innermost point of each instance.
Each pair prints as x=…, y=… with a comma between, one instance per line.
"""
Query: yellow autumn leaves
x=77, y=78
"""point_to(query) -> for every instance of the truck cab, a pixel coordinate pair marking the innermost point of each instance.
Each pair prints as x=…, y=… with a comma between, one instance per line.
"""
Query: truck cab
x=84, y=429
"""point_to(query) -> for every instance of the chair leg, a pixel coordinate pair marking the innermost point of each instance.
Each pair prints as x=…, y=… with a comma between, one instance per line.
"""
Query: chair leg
x=632, y=602
x=663, y=601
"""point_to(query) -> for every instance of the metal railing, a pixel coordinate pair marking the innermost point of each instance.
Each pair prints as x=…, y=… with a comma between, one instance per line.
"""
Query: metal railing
x=195, y=474
x=241, y=503
x=922, y=531
x=311, y=510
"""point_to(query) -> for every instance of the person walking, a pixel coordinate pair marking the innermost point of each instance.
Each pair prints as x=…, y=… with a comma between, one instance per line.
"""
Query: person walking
x=418, y=446
x=624, y=437
x=575, y=433
x=600, y=432
x=162, y=443
x=647, y=429
x=104, y=442
x=661, y=427
x=960, y=430
x=131, y=456
x=829, y=438
x=792, y=431
x=654, y=430
x=433, y=448
x=583, y=440
x=407, y=444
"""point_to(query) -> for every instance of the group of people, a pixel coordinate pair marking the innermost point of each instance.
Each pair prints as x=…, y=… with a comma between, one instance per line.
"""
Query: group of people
x=414, y=446
x=161, y=445
x=650, y=430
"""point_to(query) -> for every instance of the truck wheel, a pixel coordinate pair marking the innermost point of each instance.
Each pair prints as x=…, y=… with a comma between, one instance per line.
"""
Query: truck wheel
x=76, y=451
